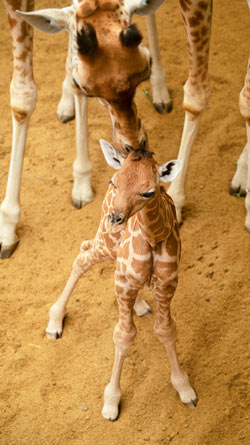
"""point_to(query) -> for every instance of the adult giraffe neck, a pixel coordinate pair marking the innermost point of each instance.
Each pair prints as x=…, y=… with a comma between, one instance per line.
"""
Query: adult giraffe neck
x=127, y=127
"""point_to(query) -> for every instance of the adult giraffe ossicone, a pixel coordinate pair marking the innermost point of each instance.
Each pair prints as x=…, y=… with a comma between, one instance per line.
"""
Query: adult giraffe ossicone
x=100, y=35
x=138, y=227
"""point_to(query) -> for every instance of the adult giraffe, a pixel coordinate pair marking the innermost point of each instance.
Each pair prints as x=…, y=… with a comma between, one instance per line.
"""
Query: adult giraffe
x=100, y=36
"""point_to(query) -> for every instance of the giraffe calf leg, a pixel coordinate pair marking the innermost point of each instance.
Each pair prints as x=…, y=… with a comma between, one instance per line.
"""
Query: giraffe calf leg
x=57, y=312
x=179, y=378
x=123, y=339
x=113, y=393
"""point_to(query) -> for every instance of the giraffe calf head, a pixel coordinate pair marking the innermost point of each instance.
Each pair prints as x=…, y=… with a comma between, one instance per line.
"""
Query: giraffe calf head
x=136, y=183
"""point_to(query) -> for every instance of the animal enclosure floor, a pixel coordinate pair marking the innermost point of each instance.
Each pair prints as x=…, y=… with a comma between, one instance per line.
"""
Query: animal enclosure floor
x=52, y=392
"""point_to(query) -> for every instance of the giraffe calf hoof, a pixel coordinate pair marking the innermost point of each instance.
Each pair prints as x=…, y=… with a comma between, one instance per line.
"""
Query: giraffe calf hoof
x=142, y=308
x=111, y=413
x=7, y=251
x=160, y=107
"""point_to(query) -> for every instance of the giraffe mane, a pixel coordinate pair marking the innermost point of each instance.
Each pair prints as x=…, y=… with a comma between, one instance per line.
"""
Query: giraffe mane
x=141, y=153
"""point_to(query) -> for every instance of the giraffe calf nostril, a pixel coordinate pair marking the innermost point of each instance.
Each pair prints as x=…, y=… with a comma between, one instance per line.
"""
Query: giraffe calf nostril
x=115, y=219
x=119, y=219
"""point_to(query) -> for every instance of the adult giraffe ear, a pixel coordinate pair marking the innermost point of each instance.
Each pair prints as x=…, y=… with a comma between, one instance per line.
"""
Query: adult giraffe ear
x=48, y=20
x=169, y=170
x=112, y=156
x=142, y=7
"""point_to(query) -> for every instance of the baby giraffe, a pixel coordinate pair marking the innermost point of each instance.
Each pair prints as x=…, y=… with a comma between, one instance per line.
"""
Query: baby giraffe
x=138, y=227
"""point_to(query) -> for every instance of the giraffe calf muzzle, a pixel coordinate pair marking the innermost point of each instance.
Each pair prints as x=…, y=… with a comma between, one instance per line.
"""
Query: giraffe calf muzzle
x=116, y=218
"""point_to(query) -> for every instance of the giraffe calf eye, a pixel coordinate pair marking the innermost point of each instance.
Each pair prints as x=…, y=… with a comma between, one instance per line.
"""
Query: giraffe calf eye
x=148, y=194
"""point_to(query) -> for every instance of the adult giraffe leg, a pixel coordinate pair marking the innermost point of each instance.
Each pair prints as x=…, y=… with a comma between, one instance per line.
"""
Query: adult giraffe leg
x=75, y=105
x=23, y=100
x=197, y=19
x=239, y=181
x=165, y=330
x=161, y=98
x=124, y=334
x=82, y=192
x=72, y=105
x=66, y=106
x=243, y=168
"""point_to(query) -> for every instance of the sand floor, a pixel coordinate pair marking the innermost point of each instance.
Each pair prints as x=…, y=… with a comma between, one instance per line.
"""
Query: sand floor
x=52, y=392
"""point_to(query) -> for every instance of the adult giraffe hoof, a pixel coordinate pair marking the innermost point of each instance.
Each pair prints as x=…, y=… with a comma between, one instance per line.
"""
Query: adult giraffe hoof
x=192, y=404
x=79, y=204
x=53, y=335
x=7, y=251
x=237, y=191
x=66, y=107
x=65, y=118
x=160, y=107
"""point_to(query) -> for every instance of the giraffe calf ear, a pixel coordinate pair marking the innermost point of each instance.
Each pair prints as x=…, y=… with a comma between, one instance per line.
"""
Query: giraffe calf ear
x=48, y=20
x=169, y=170
x=112, y=156
x=131, y=37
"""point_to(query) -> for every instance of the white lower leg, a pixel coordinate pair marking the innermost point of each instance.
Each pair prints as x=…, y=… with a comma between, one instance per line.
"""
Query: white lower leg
x=177, y=187
x=82, y=192
x=66, y=106
x=161, y=98
x=239, y=181
x=112, y=393
x=10, y=208
x=247, y=200
x=179, y=378
x=58, y=310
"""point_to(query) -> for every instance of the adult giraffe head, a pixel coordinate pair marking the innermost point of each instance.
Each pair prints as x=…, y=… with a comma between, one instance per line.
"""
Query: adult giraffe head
x=108, y=58
x=137, y=183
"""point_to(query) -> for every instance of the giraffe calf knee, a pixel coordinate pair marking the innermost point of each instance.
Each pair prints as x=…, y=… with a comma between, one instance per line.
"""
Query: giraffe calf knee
x=123, y=338
x=166, y=334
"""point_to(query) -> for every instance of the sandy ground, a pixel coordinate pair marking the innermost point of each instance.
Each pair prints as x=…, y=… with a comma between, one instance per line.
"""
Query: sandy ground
x=52, y=392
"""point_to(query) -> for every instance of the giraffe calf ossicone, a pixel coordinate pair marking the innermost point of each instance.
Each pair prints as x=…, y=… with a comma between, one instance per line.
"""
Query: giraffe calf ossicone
x=139, y=227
